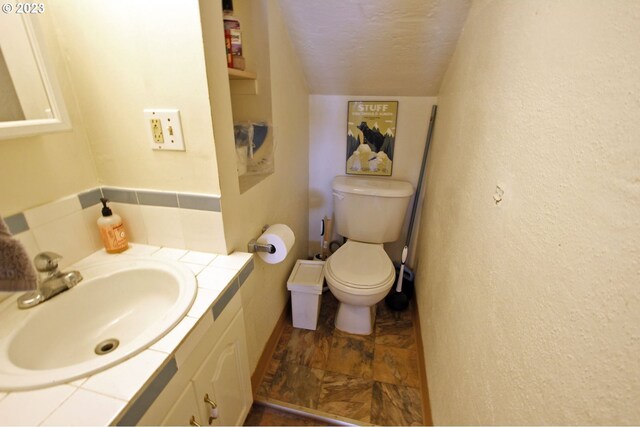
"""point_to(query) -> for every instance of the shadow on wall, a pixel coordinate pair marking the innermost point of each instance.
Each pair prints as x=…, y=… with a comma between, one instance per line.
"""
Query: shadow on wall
x=316, y=199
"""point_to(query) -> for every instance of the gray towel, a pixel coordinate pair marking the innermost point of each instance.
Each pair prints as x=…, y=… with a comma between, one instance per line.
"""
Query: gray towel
x=16, y=271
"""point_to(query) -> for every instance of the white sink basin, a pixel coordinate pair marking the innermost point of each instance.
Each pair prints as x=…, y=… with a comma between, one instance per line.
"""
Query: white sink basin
x=132, y=300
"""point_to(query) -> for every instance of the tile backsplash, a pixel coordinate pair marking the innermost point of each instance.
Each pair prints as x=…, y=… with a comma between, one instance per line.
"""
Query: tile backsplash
x=68, y=226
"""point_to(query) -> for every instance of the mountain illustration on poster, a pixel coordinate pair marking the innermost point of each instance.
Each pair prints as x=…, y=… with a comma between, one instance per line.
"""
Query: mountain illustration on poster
x=371, y=133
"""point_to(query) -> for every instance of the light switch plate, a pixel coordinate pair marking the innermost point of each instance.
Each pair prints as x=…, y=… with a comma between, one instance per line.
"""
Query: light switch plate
x=164, y=129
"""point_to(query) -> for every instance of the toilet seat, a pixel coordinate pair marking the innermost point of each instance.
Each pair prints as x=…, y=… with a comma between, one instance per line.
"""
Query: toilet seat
x=360, y=266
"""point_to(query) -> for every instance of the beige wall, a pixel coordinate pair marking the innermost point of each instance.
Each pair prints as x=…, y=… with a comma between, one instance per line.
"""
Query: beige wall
x=39, y=169
x=124, y=56
x=10, y=108
x=530, y=307
x=120, y=64
x=282, y=196
x=327, y=155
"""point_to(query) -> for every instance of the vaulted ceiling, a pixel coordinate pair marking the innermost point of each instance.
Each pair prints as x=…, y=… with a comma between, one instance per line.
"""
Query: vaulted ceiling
x=374, y=47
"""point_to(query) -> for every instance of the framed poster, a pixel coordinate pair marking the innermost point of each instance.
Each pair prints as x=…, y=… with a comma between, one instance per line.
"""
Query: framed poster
x=371, y=137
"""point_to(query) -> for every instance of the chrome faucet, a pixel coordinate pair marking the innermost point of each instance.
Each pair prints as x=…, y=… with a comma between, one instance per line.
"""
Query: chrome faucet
x=51, y=281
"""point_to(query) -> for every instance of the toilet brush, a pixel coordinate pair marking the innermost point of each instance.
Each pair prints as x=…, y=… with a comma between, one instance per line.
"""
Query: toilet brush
x=398, y=301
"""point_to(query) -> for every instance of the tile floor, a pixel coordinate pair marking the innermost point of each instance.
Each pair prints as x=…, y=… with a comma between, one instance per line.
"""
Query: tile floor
x=265, y=416
x=365, y=379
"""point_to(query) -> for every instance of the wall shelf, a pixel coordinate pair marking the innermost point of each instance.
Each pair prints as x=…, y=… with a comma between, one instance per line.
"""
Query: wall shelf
x=241, y=75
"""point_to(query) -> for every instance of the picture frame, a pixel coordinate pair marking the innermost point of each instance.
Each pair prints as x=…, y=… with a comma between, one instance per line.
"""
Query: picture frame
x=371, y=135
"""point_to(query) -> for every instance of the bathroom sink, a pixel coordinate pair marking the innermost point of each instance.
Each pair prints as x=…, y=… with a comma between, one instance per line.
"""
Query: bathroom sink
x=119, y=309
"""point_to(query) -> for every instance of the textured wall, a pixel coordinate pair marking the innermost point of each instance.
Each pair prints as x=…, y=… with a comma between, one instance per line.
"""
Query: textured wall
x=327, y=154
x=282, y=196
x=10, y=108
x=378, y=47
x=123, y=57
x=528, y=293
x=39, y=169
x=111, y=65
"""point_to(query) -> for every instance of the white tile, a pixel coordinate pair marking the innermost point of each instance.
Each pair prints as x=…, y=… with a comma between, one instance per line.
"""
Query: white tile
x=98, y=256
x=5, y=295
x=67, y=236
x=91, y=215
x=7, y=299
x=204, y=300
x=86, y=408
x=170, y=254
x=170, y=342
x=136, y=249
x=52, y=211
x=163, y=226
x=29, y=242
x=125, y=379
x=78, y=382
x=215, y=278
x=195, y=268
x=133, y=221
x=203, y=230
x=194, y=338
x=32, y=407
x=195, y=257
x=236, y=260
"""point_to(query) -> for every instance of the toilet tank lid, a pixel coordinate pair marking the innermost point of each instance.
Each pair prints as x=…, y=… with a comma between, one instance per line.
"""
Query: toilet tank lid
x=372, y=186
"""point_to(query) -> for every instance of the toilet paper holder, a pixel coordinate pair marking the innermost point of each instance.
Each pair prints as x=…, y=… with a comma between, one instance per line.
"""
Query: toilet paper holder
x=254, y=246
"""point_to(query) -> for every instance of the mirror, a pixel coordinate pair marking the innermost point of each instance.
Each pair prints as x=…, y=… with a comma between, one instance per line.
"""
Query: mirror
x=30, y=98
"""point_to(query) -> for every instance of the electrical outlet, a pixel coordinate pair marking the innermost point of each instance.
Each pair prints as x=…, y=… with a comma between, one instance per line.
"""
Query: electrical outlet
x=156, y=130
x=165, y=129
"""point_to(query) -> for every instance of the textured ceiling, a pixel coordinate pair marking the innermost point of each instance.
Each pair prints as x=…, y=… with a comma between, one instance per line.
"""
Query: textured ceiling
x=374, y=47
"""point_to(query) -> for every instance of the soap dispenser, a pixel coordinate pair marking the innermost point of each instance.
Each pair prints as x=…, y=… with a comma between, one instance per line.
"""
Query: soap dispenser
x=114, y=237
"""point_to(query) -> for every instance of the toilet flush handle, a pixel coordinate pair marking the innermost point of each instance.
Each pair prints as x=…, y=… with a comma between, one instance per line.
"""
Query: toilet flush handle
x=338, y=195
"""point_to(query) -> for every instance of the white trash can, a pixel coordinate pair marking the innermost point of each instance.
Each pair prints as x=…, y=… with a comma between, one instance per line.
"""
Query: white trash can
x=305, y=284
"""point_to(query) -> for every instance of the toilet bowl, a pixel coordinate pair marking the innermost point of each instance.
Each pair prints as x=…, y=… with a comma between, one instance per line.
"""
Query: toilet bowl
x=359, y=275
x=369, y=212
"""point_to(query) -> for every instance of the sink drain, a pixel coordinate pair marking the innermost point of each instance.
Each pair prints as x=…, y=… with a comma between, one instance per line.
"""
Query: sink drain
x=107, y=346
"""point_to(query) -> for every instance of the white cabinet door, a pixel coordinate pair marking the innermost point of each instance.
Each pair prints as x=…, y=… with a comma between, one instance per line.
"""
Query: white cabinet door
x=184, y=409
x=224, y=377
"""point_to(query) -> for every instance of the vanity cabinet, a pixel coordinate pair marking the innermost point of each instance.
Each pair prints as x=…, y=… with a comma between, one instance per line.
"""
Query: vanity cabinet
x=186, y=406
x=224, y=380
x=216, y=376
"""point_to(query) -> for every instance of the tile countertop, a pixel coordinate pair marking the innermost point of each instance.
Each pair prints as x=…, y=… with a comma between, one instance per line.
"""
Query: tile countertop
x=113, y=394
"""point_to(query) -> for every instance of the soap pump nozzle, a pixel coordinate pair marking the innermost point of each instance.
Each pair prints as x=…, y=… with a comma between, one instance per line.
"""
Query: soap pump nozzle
x=106, y=211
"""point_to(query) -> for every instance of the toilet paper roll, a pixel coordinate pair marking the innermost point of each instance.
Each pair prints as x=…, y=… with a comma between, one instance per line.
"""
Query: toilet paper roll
x=282, y=238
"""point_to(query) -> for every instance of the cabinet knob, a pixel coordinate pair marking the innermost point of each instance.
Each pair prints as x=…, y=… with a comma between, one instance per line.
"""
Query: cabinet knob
x=193, y=422
x=213, y=410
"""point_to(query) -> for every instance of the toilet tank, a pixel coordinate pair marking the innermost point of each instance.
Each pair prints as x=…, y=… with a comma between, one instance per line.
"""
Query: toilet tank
x=370, y=209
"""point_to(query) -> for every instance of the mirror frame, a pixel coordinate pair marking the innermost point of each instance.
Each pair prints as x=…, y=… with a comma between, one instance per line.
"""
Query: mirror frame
x=60, y=120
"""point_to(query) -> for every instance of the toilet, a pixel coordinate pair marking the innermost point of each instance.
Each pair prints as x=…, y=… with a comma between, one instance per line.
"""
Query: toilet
x=368, y=212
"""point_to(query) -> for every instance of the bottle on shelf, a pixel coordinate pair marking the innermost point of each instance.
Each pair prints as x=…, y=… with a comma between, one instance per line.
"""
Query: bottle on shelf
x=232, y=37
